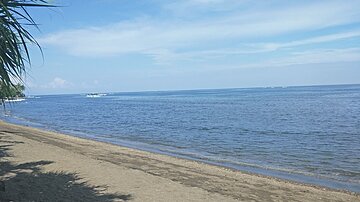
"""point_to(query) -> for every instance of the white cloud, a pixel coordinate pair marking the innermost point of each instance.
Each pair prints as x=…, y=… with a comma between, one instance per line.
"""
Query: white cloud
x=166, y=40
x=191, y=7
x=58, y=82
x=313, y=40
x=166, y=56
x=318, y=56
x=322, y=56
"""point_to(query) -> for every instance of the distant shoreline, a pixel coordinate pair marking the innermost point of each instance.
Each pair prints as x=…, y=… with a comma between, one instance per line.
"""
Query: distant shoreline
x=63, y=149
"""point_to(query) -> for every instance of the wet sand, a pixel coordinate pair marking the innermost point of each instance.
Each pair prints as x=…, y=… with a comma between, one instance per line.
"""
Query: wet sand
x=39, y=165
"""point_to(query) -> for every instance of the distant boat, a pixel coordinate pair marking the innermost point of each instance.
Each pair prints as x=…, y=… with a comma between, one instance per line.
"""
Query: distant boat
x=94, y=95
x=32, y=97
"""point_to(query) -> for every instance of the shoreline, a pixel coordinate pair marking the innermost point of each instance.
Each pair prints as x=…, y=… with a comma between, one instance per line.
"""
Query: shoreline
x=293, y=177
x=210, y=182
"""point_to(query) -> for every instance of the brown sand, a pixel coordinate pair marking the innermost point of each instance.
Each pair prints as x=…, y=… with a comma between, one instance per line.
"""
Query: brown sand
x=38, y=165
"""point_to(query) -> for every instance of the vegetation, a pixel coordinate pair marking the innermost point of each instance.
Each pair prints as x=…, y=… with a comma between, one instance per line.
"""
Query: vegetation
x=14, y=41
x=13, y=92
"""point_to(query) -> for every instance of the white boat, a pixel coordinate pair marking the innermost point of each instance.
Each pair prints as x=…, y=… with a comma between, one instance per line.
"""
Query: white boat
x=94, y=95
x=32, y=97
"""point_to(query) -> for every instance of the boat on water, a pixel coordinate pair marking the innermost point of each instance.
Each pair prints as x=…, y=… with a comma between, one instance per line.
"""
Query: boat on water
x=32, y=97
x=95, y=95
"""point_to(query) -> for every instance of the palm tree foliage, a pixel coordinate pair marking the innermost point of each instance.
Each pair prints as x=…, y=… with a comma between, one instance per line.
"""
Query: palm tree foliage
x=14, y=40
x=12, y=92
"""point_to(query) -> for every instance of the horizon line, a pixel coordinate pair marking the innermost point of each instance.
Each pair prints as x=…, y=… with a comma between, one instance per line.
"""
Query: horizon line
x=199, y=89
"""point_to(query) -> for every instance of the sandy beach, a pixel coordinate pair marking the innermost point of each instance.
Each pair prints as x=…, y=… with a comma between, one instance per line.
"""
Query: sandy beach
x=39, y=165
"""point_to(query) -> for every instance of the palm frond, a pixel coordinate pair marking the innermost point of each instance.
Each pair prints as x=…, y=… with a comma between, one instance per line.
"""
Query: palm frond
x=14, y=39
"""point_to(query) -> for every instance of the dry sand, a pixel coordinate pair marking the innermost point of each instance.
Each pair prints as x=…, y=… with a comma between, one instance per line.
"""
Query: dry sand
x=38, y=165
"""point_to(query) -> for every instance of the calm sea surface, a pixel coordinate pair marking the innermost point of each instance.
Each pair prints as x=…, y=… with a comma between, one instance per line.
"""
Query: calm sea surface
x=309, y=134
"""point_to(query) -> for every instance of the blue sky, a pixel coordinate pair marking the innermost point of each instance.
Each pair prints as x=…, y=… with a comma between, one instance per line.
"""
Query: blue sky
x=129, y=45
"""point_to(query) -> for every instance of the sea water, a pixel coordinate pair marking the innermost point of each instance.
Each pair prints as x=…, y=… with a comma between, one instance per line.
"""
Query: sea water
x=308, y=134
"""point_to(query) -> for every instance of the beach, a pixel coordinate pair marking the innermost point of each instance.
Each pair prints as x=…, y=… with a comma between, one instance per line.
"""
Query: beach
x=38, y=165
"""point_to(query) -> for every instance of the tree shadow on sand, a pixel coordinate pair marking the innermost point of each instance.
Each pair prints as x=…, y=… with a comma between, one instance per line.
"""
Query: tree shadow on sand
x=26, y=182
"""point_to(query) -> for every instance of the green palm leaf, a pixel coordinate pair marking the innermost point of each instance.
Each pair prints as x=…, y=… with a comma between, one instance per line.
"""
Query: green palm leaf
x=14, y=40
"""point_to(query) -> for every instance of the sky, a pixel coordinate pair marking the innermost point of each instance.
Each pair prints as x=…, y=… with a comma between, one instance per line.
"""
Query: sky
x=138, y=45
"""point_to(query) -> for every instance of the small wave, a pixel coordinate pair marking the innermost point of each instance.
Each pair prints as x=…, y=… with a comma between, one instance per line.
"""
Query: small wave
x=15, y=100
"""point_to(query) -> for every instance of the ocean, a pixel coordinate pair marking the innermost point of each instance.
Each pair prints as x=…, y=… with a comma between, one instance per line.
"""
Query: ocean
x=309, y=134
